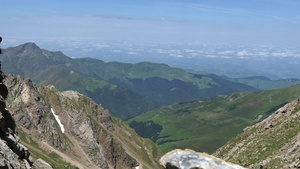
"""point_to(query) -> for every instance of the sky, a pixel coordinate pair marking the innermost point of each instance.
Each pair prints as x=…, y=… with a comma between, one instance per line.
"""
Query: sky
x=208, y=21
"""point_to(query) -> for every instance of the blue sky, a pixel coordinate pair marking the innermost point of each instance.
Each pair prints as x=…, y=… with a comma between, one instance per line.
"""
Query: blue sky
x=207, y=21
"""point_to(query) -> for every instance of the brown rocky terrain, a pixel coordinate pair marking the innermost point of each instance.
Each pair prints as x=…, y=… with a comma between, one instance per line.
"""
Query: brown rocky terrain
x=84, y=135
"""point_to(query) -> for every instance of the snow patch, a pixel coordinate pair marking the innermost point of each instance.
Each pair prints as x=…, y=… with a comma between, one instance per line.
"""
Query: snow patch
x=58, y=121
x=138, y=167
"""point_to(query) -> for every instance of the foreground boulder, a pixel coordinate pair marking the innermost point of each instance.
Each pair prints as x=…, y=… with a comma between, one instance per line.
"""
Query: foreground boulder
x=189, y=159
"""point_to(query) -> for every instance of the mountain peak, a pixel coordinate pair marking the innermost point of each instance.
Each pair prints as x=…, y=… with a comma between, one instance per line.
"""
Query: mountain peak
x=30, y=46
x=22, y=49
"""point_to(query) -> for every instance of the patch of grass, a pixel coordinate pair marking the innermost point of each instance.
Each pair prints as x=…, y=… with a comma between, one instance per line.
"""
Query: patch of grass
x=51, y=158
x=68, y=140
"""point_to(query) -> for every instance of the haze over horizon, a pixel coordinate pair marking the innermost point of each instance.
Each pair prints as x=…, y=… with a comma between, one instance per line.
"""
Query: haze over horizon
x=236, y=38
x=215, y=21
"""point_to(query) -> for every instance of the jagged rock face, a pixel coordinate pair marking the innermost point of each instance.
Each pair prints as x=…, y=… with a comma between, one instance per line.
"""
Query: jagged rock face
x=272, y=143
x=188, y=159
x=89, y=140
x=30, y=111
x=33, y=113
x=12, y=153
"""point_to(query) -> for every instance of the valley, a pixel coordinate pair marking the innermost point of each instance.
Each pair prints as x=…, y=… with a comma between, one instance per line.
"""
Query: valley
x=206, y=125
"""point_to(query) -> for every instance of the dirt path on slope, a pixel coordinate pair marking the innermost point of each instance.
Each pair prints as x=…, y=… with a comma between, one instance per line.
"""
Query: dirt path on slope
x=68, y=159
x=36, y=150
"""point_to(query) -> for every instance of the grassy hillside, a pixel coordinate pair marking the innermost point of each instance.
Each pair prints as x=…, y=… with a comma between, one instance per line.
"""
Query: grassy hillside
x=272, y=143
x=207, y=125
x=127, y=90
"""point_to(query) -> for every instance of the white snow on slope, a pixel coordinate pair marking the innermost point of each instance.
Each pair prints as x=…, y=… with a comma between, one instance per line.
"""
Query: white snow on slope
x=58, y=121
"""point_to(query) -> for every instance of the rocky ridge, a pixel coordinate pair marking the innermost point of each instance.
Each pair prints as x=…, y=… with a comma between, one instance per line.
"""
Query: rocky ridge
x=272, y=143
x=92, y=138
x=13, y=154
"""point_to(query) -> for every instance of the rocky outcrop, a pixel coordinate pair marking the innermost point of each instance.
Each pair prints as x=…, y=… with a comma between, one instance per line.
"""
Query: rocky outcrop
x=272, y=143
x=90, y=137
x=13, y=155
x=189, y=159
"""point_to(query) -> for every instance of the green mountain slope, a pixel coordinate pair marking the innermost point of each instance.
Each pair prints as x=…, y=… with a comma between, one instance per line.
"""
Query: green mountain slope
x=126, y=90
x=45, y=67
x=207, y=125
x=272, y=143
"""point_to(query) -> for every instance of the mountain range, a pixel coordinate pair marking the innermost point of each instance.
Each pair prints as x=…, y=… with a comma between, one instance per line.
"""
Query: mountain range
x=69, y=130
x=126, y=90
x=264, y=83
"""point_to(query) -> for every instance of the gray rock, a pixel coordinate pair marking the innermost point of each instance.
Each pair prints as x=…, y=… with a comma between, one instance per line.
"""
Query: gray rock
x=41, y=164
x=8, y=158
x=189, y=159
x=12, y=153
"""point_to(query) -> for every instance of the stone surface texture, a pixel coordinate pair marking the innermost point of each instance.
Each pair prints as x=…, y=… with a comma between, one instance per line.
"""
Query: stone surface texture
x=12, y=153
x=41, y=164
x=189, y=159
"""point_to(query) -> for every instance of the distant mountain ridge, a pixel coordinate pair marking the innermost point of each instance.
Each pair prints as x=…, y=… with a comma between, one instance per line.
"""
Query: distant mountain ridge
x=126, y=90
x=264, y=83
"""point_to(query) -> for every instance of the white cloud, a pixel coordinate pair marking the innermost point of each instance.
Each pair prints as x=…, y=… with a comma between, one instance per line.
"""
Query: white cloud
x=211, y=56
x=242, y=53
x=263, y=54
x=116, y=51
x=226, y=57
x=226, y=52
x=132, y=53
x=176, y=55
x=280, y=54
